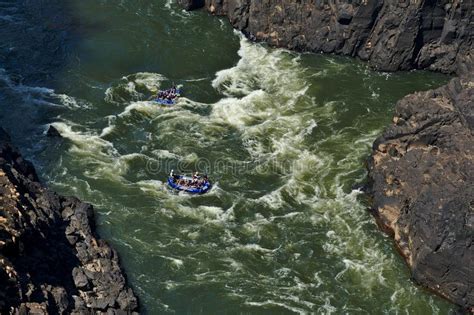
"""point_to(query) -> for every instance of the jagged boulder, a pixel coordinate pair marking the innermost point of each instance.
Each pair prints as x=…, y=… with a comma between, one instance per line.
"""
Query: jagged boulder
x=191, y=4
x=422, y=175
x=53, y=132
x=51, y=260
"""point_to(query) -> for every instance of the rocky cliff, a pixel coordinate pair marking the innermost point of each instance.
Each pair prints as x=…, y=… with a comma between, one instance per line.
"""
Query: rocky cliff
x=422, y=173
x=51, y=261
x=390, y=35
x=421, y=169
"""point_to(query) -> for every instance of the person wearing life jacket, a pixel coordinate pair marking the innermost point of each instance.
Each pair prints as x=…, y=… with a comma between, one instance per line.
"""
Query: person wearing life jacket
x=194, y=178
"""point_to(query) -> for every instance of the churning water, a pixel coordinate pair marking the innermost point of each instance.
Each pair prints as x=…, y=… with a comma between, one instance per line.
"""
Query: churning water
x=283, y=135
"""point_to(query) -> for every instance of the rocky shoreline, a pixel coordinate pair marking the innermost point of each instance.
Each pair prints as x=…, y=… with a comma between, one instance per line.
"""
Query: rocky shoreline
x=390, y=35
x=51, y=260
x=421, y=170
x=422, y=174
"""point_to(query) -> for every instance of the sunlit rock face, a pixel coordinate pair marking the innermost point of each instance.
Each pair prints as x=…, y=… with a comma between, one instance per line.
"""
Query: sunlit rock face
x=51, y=261
x=422, y=170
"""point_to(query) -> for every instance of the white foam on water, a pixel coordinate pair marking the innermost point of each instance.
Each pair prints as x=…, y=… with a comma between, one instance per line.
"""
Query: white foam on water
x=273, y=199
x=71, y=102
x=290, y=215
x=160, y=154
x=153, y=187
x=234, y=264
x=110, y=128
x=262, y=102
x=270, y=84
x=144, y=107
x=258, y=248
x=327, y=308
x=176, y=13
x=208, y=214
x=237, y=112
x=94, y=150
x=275, y=303
x=262, y=91
x=130, y=87
x=175, y=262
x=222, y=24
x=265, y=101
x=85, y=142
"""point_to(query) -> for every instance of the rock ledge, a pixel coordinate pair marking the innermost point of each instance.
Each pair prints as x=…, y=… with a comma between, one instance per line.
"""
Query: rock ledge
x=422, y=183
x=391, y=35
x=51, y=261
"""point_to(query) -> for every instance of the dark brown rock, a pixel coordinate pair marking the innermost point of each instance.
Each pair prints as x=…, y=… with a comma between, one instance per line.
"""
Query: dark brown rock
x=61, y=299
x=391, y=35
x=53, y=132
x=191, y=4
x=80, y=279
x=51, y=261
x=422, y=173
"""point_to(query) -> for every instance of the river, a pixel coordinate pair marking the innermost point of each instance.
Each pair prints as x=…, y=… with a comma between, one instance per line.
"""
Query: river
x=283, y=135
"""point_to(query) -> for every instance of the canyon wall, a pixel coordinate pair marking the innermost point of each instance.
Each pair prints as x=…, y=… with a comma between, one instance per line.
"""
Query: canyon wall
x=390, y=35
x=51, y=260
x=422, y=174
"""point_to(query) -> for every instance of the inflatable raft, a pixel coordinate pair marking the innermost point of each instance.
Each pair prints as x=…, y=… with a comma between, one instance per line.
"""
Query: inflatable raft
x=166, y=101
x=184, y=183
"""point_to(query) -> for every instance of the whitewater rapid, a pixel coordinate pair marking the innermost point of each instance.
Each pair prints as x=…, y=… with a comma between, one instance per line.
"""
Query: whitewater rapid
x=282, y=135
x=282, y=227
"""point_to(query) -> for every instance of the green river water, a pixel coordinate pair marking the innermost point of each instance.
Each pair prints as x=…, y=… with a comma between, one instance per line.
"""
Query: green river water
x=283, y=135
